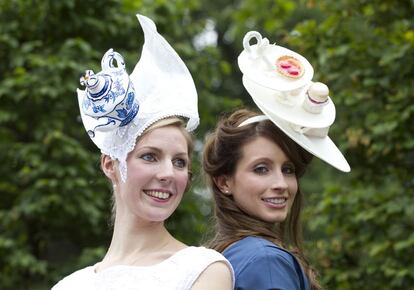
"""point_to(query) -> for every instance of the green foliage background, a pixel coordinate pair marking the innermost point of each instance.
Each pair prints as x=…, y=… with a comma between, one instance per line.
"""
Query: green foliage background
x=55, y=203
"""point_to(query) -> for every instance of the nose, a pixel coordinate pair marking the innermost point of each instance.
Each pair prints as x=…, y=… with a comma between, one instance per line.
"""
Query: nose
x=279, y=182
x=165, y=172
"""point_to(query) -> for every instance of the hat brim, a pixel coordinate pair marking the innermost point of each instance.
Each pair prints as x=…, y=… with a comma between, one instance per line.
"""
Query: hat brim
x=323, y=148
x=295, y=114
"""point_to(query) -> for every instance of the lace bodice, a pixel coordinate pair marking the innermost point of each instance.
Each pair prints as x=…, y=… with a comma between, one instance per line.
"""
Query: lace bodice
x=178, y=272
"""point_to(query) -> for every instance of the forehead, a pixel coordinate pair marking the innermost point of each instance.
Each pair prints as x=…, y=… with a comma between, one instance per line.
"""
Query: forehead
x=164, y=137
x=262, y=148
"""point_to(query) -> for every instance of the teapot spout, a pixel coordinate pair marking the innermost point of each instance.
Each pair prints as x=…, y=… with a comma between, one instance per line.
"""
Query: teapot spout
x=104, y=124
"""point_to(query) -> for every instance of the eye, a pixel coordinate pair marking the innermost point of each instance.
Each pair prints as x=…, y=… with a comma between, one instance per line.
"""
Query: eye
x=261, y=169
x=288, y=168
x=150, y=157
x=180, y=163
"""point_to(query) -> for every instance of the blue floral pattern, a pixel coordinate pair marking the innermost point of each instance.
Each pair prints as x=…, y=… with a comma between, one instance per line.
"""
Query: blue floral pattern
x=110, y=98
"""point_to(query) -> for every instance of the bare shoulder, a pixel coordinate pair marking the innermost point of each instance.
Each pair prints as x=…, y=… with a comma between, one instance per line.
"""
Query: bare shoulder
x=216, y=276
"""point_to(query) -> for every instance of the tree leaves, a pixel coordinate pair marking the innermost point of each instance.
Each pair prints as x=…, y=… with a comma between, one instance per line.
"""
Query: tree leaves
x=55, y=205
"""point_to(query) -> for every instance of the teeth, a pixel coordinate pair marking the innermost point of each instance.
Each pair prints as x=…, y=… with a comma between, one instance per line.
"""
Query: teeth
x=277, y=200
x=158, y=194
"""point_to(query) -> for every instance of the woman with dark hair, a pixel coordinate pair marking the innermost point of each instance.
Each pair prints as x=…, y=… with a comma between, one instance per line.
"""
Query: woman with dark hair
x=254, y=162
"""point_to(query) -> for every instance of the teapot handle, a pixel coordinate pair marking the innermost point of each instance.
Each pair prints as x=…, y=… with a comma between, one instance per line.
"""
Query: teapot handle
x=259, y=52
x=249, y=36
x=108, y=60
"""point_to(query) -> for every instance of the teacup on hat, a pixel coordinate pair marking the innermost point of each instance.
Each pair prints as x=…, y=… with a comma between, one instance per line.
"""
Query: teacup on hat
x=280, y=83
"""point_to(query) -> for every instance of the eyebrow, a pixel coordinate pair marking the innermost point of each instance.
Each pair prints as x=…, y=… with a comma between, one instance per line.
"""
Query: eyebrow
x=149, y=148
x=256, y=161
x=156, y=149
x=261, y=159
x=265, y=160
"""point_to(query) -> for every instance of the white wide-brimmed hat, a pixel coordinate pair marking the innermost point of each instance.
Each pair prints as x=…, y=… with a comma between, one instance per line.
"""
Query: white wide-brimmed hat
x=116, y=108
x=291, y=102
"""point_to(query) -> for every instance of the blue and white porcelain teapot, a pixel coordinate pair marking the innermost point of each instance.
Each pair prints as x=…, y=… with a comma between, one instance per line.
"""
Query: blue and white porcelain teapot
x=109, y=95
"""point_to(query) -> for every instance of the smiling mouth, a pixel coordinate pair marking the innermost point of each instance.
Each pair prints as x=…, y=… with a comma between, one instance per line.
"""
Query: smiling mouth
x=158, y=194
x=276, y=200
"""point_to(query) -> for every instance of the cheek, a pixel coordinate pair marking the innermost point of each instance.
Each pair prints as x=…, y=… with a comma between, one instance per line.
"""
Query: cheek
x=253, y=184
x=293, y=188
x=182, y=181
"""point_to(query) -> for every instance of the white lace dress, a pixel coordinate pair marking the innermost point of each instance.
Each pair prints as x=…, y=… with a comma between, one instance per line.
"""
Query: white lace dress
x=178, y=272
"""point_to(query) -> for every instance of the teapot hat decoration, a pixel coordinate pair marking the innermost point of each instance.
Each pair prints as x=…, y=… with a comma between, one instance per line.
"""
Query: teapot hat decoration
x=280, y=83
x=116, y=108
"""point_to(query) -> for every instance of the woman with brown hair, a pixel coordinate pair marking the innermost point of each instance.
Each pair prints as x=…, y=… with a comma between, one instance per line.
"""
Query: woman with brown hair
x=254, y=162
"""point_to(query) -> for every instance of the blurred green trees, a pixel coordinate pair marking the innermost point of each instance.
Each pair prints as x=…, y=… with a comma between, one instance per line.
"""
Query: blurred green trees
x=55, y=203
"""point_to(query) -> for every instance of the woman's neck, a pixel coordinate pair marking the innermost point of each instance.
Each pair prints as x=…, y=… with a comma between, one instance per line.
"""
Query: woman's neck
x=139, y=244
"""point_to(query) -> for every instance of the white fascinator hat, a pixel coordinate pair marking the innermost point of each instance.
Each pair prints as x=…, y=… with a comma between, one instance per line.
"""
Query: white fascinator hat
x=279, y=81
x=116, y=108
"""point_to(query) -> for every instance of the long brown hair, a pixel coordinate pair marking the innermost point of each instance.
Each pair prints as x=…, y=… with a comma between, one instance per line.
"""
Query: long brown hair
x=222, y=151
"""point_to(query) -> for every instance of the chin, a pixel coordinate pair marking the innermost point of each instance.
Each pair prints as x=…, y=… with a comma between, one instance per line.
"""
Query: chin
x=159, y=217
x=275, y=219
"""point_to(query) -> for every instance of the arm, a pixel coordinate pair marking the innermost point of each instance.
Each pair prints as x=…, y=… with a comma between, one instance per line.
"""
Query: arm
x=216, y=276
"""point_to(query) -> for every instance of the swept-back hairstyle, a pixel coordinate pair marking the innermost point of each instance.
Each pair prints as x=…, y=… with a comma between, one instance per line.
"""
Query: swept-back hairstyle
x=222, y=151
